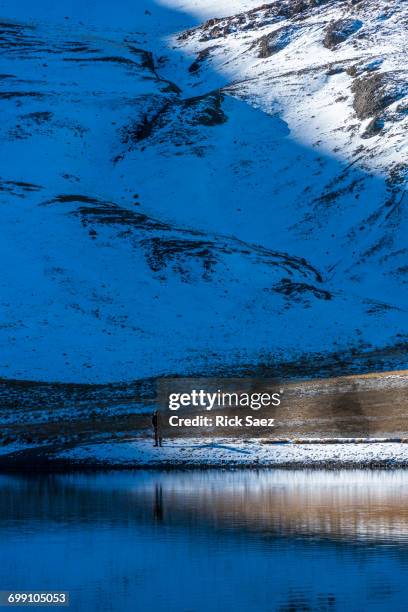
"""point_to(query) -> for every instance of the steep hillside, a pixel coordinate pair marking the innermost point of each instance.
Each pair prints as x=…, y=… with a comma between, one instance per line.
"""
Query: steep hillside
x=185, y=190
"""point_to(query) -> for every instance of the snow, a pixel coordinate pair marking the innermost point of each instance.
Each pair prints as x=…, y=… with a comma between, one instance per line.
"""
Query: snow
x=249, y=453
x=283, y=177
x=210, y=8
x=15, y=447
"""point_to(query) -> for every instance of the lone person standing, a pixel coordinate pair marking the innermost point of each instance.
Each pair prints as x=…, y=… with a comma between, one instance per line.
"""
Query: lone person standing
x=157, y=429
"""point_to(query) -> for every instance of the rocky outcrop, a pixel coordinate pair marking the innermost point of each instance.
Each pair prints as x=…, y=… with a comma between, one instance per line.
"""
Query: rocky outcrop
x=339, y=31
x=276, y=41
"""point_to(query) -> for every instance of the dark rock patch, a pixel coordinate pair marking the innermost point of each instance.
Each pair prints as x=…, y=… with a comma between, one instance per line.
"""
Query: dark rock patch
x=78, y=47
x=296, y=291
x=396, y=182
x=69, y=198
x=332, y=196
x=18, y=188
x=275, y=41
x=332, y=71
x=374, y=128
x=371, y=95
x=145, y=128
x=201, y=57
x=352, y=71
x=146, y=57
x=107, y=213
x=339, y=31
x=176, y=252
x=176, y=120
x=205, y=110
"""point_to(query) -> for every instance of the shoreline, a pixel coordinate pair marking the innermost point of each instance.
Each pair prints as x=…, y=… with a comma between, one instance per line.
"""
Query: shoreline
x=196, y=454
x=346, y=422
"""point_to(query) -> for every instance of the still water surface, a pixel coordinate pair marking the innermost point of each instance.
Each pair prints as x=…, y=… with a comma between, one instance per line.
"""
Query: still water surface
x=213, y=540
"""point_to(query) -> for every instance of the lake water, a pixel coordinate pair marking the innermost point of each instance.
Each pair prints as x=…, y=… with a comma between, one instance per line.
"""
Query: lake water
x=209, y=540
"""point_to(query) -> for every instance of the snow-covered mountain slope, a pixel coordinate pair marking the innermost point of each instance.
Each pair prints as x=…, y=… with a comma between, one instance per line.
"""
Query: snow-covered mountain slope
x=191, y=186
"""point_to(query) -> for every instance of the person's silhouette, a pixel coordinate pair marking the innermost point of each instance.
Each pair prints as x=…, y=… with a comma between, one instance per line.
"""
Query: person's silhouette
x=157, y=428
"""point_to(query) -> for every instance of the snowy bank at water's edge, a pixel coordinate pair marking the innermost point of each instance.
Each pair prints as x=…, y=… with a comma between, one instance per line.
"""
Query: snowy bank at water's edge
x=228, y=453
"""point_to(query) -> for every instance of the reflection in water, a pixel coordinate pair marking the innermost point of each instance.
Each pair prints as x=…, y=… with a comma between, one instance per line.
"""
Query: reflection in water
x=211, y=540
x=158, y=502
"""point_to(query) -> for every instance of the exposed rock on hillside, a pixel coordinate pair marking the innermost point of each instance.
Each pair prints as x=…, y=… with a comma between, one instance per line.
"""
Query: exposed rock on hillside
x=339, y=31
x=372, y=95
x=276, y=41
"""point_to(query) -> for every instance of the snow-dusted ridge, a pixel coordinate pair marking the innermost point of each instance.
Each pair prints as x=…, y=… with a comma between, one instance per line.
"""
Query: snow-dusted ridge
x=181, y=197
